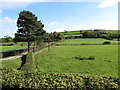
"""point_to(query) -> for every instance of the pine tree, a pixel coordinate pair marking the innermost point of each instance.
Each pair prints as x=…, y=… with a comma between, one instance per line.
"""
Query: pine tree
x=29, y=28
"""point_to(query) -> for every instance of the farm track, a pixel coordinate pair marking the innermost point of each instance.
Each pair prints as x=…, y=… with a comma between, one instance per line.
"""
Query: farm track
x=14, y=57
x=20, y=55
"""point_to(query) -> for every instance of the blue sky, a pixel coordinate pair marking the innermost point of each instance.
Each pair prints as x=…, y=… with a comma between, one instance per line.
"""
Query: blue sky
x=60, y=16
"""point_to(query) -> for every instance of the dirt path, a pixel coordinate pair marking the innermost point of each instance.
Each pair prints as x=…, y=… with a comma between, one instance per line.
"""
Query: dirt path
x=18, y=56
x=14, y=57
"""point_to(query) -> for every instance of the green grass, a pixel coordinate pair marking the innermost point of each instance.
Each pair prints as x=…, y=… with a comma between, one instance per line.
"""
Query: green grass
x=8, y=43
x=11, y=64
x=77, y=33
x=110, y=31
x=60, y=59
x=86, y=41
x=15, y=46
x=71, y=32
x=18, y=43
x=71, y=35
x=7, y=48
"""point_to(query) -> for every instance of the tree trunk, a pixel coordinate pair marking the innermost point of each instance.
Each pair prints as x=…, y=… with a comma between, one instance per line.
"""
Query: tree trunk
x=34, y=46
x=28, y=46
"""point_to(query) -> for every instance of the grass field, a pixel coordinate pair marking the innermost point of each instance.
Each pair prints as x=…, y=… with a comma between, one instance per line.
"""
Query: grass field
x=86, y=41
x=11, y=64
x=61, y=59
x=7, y=48
x=15, y=46
x=77, y=33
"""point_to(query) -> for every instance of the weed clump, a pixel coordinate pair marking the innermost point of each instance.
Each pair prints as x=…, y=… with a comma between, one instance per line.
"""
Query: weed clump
x=91, y=58
x=106, y=42
x=85, y=58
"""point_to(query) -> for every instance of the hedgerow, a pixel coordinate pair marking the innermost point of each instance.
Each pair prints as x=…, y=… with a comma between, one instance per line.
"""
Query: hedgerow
x=38, y=80
x=29, y=63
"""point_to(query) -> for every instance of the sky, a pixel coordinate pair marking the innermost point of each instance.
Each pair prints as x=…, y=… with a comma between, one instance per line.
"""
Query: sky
x=61, y=15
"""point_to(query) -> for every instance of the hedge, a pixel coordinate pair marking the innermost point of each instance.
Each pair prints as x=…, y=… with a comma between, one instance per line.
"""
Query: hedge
x=13, y=52
x=28, y=62
x=6, y=44
x=13, y=79
x=106, y=42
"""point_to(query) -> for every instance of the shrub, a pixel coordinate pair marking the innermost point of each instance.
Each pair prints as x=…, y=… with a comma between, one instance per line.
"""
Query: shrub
x=84, y=58
x=12, y=52
x=11, y=44
x=118, y=39
x=29, y=80
x=29, y=63
x=77, y=57
x=106, y=42
x=91, y=58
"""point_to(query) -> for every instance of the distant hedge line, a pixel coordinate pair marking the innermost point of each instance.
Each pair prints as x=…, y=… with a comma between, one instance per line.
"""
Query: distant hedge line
x=14, y=79
x=12, y=52
x=6, y=44
x=93, y=34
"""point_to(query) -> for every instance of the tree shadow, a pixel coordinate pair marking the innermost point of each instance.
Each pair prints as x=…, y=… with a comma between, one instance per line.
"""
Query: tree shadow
x=23, y=59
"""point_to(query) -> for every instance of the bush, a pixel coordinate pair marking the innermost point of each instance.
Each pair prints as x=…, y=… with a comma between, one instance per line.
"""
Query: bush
x=91, y=58
x=77, y=57
x=118, y=39
x=11, y=44
x=29, y=63
x=106, y=42
x=84, y=58
x=13, y=79
x=12, y=52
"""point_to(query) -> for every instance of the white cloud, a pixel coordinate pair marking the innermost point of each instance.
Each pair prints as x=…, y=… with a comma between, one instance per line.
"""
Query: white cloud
x=108, y=3
x=107, y=26
x=7, y=20
x=53, y=23
x=8, y=26
x=11, y=4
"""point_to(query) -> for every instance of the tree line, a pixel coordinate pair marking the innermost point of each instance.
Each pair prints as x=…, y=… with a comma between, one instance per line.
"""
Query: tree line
x=99, y=34
x=95, y=34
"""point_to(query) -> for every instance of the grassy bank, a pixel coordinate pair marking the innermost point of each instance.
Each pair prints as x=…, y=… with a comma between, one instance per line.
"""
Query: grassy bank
x=11, y=64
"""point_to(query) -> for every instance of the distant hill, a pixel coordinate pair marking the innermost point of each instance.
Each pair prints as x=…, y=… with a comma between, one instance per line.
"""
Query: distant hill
x=108, y=34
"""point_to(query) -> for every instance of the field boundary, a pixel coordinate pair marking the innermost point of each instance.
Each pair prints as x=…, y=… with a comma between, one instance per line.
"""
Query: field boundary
x=14, y=57
x=86, y=44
